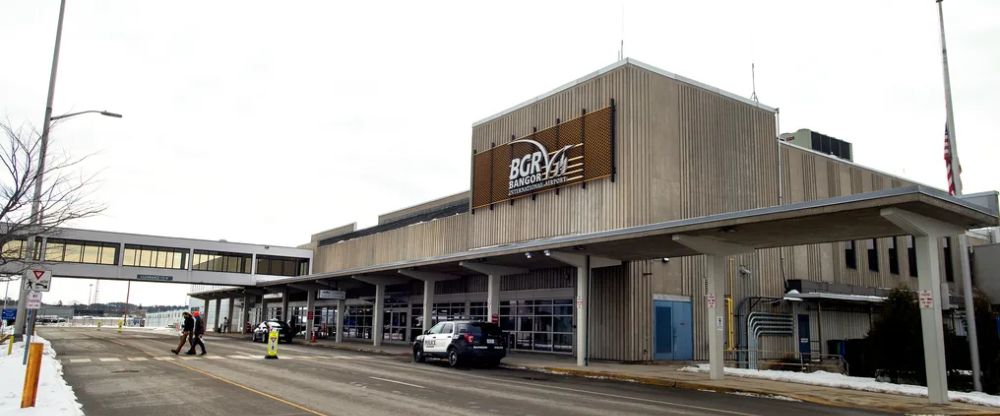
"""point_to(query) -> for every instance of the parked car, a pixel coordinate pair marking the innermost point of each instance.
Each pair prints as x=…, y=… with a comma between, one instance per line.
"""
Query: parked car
x=461, y=342
x=260, y=333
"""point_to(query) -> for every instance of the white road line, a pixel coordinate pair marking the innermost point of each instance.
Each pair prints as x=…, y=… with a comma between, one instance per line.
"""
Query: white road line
x=215, y=357
x=109, y=360
x=188, y=358
x=164, y=358
x=242, y=357
x=138, y=359
x=79, y=360
x=398, y=382
x=597, y=393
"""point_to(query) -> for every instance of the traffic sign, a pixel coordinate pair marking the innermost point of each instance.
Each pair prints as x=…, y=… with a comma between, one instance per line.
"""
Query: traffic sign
x=926, y=299
x=34, y=300
x=37, y=280
x=8, y=314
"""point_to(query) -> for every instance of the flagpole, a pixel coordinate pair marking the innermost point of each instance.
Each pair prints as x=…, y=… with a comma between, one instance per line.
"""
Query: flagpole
x=955, y=170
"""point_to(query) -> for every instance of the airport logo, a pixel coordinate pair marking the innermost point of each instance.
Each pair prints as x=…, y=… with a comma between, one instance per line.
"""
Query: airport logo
x=538, y=169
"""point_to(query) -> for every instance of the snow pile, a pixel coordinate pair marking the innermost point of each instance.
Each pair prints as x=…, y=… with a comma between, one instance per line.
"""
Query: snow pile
x=55, y=397
x=823, y=378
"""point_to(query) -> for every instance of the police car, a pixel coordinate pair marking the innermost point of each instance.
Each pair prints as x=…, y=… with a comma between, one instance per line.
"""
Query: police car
x=461, y=342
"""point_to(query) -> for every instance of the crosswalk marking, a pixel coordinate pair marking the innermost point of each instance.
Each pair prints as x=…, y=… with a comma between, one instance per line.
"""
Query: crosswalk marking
x=207, y=357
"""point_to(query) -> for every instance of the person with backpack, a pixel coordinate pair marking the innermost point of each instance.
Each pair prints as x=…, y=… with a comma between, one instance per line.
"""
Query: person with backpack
x=186, y=330
x=199, y=331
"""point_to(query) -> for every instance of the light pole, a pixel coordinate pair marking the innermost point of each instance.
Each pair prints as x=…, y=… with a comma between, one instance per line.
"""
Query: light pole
x=36, y=214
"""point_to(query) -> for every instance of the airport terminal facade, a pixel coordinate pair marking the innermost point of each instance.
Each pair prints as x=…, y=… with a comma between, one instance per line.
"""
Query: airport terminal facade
x=625, y=147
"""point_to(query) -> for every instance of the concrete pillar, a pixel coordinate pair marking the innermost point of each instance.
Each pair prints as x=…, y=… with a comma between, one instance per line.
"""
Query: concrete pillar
x=232, y=306
x=716, y=253
x=927, y=232
x=218, y=311
x=285, y=315
x=428, y=304
x=583, y=264
x=931, y=326
x=245, y=313
x=341, y=307
x=494, y=273
x=493, y=298
x=582, y=309
x=378, y=314
x=715, y=325
x=310, y=307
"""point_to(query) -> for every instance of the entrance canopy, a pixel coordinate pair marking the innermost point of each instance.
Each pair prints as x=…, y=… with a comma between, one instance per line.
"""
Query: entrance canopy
x=854, y=217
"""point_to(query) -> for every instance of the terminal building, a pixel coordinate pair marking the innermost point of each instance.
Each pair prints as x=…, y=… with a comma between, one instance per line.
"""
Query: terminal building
x=627, y=147
x=630, y=215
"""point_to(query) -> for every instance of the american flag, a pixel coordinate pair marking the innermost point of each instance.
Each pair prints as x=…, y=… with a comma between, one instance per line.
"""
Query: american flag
x=948, y=161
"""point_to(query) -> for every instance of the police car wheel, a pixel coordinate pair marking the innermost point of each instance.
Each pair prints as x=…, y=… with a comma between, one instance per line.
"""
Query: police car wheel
x=452, y=357
x=418, y=355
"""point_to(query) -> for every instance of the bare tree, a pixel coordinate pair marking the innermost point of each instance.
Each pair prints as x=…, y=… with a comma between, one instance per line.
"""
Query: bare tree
x=63, y=196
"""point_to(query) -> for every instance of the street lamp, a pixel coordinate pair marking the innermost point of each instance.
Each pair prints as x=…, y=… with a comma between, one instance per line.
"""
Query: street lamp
x=36, y=214
x=101, y=112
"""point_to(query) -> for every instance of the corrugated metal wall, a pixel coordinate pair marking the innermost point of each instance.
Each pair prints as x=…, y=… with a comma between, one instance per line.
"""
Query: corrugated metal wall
x=417, y=241
x=643, y=145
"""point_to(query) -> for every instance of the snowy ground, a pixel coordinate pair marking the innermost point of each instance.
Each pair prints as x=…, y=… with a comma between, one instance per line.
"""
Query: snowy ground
x=55, y=397
x=823, y=378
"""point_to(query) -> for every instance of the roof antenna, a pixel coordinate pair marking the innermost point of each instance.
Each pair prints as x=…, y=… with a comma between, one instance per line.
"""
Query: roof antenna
x=621, y=43
x=753, y=79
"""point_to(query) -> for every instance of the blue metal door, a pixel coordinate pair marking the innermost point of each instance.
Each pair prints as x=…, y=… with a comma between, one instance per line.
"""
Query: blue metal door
x=805, y=345
x=673, y=334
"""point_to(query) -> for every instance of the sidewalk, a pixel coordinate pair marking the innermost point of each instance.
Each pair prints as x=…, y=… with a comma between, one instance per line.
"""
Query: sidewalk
x=669, y=375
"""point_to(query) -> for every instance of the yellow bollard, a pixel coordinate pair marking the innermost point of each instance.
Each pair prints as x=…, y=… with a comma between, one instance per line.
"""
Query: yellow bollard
x=119, y=326
x=10, y=345
x=98, y=325
x=272, y=345
x=31, y=375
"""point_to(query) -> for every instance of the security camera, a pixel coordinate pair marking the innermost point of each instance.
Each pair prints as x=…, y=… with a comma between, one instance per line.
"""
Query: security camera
x=528, y=254
x=665, y=259
x=744, y=271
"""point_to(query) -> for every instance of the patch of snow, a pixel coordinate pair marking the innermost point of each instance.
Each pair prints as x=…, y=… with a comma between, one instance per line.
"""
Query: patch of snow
x=764, y=396
x=823, y=378
x=55, y=397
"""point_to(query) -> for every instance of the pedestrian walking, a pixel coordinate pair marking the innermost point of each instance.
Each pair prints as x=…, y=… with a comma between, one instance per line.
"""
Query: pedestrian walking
x=186, y=330
x=225, y=324
x=199, y=331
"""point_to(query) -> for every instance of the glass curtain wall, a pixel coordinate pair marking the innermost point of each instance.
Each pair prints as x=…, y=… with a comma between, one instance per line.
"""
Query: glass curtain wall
x=539, y=324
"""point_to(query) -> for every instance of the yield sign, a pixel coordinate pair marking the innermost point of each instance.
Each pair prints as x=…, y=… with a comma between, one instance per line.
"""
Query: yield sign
x=38, y=280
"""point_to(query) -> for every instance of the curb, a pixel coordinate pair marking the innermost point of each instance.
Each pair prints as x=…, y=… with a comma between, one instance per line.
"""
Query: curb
x=694, y=385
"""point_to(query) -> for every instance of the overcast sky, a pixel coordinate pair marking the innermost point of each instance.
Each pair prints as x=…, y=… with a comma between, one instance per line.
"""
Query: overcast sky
x=265, y=122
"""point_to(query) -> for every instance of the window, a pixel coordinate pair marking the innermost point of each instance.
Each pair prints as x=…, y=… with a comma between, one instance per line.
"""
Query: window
x=949, y=270
x=12, y=249
x=447, y=328
x=893, y=256
x=436, y=329
x=215, y=261
x=282, y=266
x=89, y=252
x=911, y=254
x=159, y=257
x=872, y=255
x=539, y=325
x=850, y=255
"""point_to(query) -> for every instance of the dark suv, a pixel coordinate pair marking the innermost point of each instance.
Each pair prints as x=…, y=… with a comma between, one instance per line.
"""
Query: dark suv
x=461, y=342
x=264, y=328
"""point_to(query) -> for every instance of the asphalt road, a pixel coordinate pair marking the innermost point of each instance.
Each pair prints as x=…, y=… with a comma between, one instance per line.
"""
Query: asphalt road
x=134, y=373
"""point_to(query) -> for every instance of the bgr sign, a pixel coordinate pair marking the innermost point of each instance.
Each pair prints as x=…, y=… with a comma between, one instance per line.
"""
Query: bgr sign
x=538, y=169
